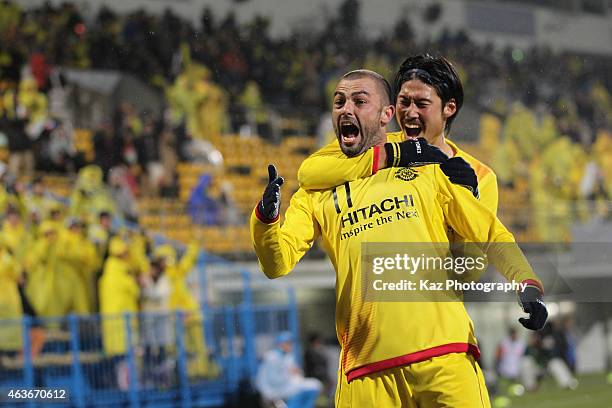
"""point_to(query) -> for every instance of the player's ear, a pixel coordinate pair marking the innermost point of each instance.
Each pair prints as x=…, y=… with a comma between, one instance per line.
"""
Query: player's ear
x=450, y=108
x=386, y=114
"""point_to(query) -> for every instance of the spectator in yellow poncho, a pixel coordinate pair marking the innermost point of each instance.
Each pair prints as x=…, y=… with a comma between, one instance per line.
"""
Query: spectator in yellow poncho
x=11, y=195
x=602, y=153
x=119, y=294
x=554, y=186
x=10, y=14
x=53, y=286
x=250, y=99
x=38, y=199
x=33, y=101
x=15, y=235
x=212, y=113
x=11, y=310
x=99, y=233
x=137, y=250
x=602, y=102
x=13, y=249
x=182, y=299
x=523, y=138
x=90, y=196
x=56, y=216
x=202, y=103
x=82, y=257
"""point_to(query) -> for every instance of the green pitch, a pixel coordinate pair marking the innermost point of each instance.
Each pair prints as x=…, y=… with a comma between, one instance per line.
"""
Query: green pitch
x=593, y=392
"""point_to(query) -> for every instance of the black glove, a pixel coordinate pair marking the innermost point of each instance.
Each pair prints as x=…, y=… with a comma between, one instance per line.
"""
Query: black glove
x=460, y=172
x=269, y=205
x=531, y=302
x=413, y=153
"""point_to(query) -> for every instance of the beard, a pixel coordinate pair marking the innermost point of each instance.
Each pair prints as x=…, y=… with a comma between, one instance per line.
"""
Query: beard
x=369, y=135
x=353, y=150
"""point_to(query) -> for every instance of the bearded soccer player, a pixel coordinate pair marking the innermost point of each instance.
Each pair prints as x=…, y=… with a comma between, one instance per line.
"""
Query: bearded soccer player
x=408, y=354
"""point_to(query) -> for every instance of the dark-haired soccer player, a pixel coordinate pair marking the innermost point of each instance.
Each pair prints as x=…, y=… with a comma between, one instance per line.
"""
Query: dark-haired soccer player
x=409, y=353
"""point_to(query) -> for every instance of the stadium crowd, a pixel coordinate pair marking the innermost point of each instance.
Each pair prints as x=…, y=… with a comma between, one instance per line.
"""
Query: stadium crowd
x=298, y=67
x=60, y=258
x=222, y=74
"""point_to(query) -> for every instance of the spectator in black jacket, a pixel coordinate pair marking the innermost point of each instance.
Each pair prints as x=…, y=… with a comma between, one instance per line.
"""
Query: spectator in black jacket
x=315, y=360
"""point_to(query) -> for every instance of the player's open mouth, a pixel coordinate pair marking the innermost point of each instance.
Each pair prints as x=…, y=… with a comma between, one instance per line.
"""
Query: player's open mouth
x=413, y=129
x=349, y=133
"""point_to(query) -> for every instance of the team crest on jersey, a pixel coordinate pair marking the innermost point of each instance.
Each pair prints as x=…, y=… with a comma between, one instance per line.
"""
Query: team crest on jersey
x=406, y=174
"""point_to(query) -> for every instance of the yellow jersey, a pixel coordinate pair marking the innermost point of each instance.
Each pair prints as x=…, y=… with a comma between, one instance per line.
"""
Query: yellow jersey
x=394, y=205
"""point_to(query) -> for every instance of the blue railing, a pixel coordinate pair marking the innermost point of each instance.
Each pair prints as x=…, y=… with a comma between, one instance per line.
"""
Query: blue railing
x=152, y=360
x=253, y=318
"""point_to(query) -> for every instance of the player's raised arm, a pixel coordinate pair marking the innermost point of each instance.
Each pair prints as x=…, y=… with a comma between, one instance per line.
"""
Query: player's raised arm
x=279, y=248
x=330, y=167
x=472, y=220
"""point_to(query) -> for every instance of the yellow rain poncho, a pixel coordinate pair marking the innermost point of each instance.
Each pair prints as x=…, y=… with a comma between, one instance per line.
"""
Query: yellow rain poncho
x=10, y=303
x=53, y=286
x=119, y=294
x=182, y=299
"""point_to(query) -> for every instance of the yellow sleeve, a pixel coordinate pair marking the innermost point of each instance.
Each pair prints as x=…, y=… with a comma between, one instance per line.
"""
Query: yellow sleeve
x=189, y=258
x=329, y=167
x=279, y=248
x=489, y=194
x=475, y=222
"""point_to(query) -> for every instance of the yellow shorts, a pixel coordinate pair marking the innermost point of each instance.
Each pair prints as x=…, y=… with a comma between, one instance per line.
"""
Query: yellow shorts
x=453, y=380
